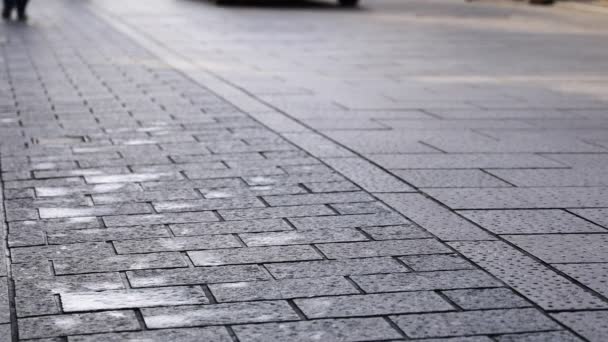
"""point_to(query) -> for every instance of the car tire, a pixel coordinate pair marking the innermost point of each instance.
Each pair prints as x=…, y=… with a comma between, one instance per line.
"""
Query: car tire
x=348, y=3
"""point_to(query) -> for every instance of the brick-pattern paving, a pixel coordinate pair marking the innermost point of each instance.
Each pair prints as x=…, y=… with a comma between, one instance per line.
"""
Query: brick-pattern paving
x=140, y=205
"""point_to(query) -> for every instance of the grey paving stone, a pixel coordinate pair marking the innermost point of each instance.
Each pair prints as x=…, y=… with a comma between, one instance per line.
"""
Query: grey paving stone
x=564, y=248
x=293, y=179
x=461, y=339
x=36, y=306
x=60, y=212
x=535, y=281
x=207, y=204
x=57, y=224
x=176, y=244
x=211, y=334
x=107, y=234
x=589, y=324
x=5, y=333
x=530, y=221
x=341, y=197
x=252, y=255
x=598, y=216
x=5, y=316
x=424, y=281
x=367, y=176
x=230, y=227
x=119, y=263
x=474, y=323
x=302, y=237
x=145, y=196
x=453, y=178
x=56, y=252
x=86, y=323
x=124, y=299
x=275, y=212
x=361, y=208
x=320, y=187
x=133, y=178
x=436, y=262
x=344, y=330
x=372, y=304
x=192, y=184
x=552, y=177
x=463, y=161
x=198, y=275
x=230, y=313
x=550, y=336
x=347, y=221
x=382, y=248
x=522, y=198
x=282, y=289
x=40, y=286
x=328, y=268
x=594, y=275
x=317, y=145
x=436, y=219
x=475, y=299
x=251, y=191
x=167, y=218
x=54, y=191
x=410, y=231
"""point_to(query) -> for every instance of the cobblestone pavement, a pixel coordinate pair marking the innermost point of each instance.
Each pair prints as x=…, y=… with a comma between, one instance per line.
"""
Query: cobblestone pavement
x=415, y=170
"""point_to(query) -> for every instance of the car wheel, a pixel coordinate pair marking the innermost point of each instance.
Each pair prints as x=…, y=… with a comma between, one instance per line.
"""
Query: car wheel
x=348, y=3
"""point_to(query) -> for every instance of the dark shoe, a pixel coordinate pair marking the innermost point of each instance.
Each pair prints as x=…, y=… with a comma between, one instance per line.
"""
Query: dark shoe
x=6, y=14
x=22, y=17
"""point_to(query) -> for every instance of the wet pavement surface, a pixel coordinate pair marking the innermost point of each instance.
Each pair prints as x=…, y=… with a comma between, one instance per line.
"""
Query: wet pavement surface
x=279, y=171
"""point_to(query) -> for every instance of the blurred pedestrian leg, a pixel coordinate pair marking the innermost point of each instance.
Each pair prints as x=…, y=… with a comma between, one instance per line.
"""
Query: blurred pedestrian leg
x=10, y=5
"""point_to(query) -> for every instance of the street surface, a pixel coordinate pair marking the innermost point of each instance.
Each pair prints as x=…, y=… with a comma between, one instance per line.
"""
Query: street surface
x=432, y=170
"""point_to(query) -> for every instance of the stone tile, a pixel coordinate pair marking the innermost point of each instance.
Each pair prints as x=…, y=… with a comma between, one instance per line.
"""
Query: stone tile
x=594, y=276
x=212, y=334
x=128, y=208
x=474, y=323
x=198, y=275
x=317, y=145
x=433, y=217
x=145, y=196
x=348, y=221
x=86, y=323
x=410, y=231
x=476, y=299
x=282, y=289
x=252, y=255
x=176, y=244
x=207, y=204
x=552, y=177
x=425, y=281
x=55, y=191
x=530, y=221
x=106, y=234
x=230, y=227
x=372, y=304
x=133, y=178
x=340, y=197
x=5, y=333
x=252, y=191
x=40, y=286
x=598, y=216
x=167, y=218
x=276, y=212
x=463, y=161
x=328, y=268
x=119, y=263
x=589, y=324
x=57, y=252
x=436, y=262
x=352, y=330
x=567, y=248
x=5, y=316
x=367, y=176
x=124, y=299
x=361, y=208
x=538, y=283
x=302, y=237
x=450, y=178
x=382, y=248
x=231, y=313
x=522, y=198
x=320, y=187
x=550, y=336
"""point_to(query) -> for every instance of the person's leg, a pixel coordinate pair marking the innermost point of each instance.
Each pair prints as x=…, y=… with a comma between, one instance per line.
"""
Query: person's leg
x=8, y=8
x=21, y=5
